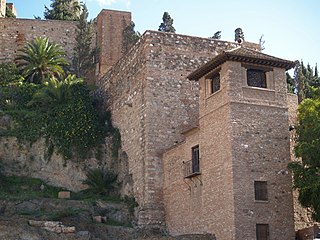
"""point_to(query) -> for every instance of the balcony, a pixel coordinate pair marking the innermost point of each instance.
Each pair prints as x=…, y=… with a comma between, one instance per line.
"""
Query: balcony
x=191, y=168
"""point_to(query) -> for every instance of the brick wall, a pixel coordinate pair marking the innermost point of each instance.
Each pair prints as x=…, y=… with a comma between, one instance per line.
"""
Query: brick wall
x=261, y=152
x=16, y=32
x=108, y=36
x=110, y=25
x=243, y=138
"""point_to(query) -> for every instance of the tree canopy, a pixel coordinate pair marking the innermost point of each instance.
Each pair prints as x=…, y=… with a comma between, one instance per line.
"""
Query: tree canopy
x=216, y=35
x=167, y=23
x=63, y=10
x=307, y=171
x=304, y=80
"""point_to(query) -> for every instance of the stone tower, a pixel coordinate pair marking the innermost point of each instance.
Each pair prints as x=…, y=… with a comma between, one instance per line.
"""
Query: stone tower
x=235, y=182
x=2, y=8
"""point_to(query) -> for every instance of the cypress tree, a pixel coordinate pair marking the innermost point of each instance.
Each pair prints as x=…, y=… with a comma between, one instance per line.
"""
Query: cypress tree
x=167, y=24
x=63, y=10
x=130, y=37
x=84, y=55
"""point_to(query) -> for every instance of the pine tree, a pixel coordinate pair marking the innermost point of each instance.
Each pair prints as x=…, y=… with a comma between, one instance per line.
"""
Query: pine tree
x=238, y=35
x=167, y=24
x=130, y=37
x=63, y=10
x=84, y=55
x=316, y=71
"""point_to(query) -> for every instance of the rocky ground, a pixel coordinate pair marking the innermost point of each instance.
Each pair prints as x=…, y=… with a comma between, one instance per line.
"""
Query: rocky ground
x=84, y=216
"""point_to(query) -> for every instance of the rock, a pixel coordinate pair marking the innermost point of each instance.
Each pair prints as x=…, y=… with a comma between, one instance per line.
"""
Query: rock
x=26, y=207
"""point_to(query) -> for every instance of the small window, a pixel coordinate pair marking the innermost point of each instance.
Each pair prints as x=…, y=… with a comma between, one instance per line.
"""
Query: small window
x=256, y=78
x=195, y=159
x=215, y=83
x=260, y=190
x=262, y=231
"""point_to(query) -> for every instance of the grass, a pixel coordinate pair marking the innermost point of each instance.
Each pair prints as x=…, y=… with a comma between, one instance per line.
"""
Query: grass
x=25, y=188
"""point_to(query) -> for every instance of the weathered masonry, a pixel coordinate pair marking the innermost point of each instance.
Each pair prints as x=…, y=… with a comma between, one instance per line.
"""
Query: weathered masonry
x=228, y=140
x=152, y=101
x=109, y=26
x=229, y=176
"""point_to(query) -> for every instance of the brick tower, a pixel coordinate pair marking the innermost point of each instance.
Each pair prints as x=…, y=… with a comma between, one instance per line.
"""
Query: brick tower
x=110, y=26
x=236, y=184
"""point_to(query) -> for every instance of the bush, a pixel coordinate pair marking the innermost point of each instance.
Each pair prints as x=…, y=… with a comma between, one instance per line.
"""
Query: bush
x=9, y=74
x=101, y=181
x=62, y=112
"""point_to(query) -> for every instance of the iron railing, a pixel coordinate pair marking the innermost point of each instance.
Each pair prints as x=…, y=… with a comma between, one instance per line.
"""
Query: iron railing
x=191, y=168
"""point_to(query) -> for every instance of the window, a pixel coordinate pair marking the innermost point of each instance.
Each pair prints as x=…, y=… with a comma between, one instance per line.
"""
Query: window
x=215, y=83
x=260, y=190
x=256, y=78
x=195, y=159
x=262, y=231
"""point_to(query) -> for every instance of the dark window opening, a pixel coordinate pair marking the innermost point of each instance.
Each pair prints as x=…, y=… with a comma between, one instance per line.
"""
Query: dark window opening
x=192, y=167
x=195, y=159
x=262, y=231
x=215, y=83
x=256, y=78
x=261, y=190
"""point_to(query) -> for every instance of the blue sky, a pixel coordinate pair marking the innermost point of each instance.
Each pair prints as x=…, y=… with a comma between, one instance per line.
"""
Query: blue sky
x=291, y=28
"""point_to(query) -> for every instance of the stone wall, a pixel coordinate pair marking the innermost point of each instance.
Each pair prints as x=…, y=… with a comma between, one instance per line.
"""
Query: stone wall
x=152, y=102
x=16, y=32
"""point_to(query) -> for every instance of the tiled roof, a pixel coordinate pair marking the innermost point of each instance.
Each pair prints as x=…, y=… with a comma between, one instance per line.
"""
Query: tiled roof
x=241, y=54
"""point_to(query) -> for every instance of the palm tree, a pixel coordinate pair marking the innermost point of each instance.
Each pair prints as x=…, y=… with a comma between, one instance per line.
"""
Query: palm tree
x=40, y=59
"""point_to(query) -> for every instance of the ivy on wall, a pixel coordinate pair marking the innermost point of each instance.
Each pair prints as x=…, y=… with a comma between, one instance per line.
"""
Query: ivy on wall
x=61, y=111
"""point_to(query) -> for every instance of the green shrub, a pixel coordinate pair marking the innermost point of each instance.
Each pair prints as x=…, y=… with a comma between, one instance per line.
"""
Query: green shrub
x=62, y=112
x=9, y=74
x=101, y=181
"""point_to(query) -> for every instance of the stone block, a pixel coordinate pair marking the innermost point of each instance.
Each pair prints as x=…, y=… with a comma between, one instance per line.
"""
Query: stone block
x=64, y=195
x=97, y=219
x=68, y=229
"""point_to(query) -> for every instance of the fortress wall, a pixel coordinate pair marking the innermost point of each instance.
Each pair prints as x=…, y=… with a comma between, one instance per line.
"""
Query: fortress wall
x=152, y=101
x=16, y=32
x=123, y=87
